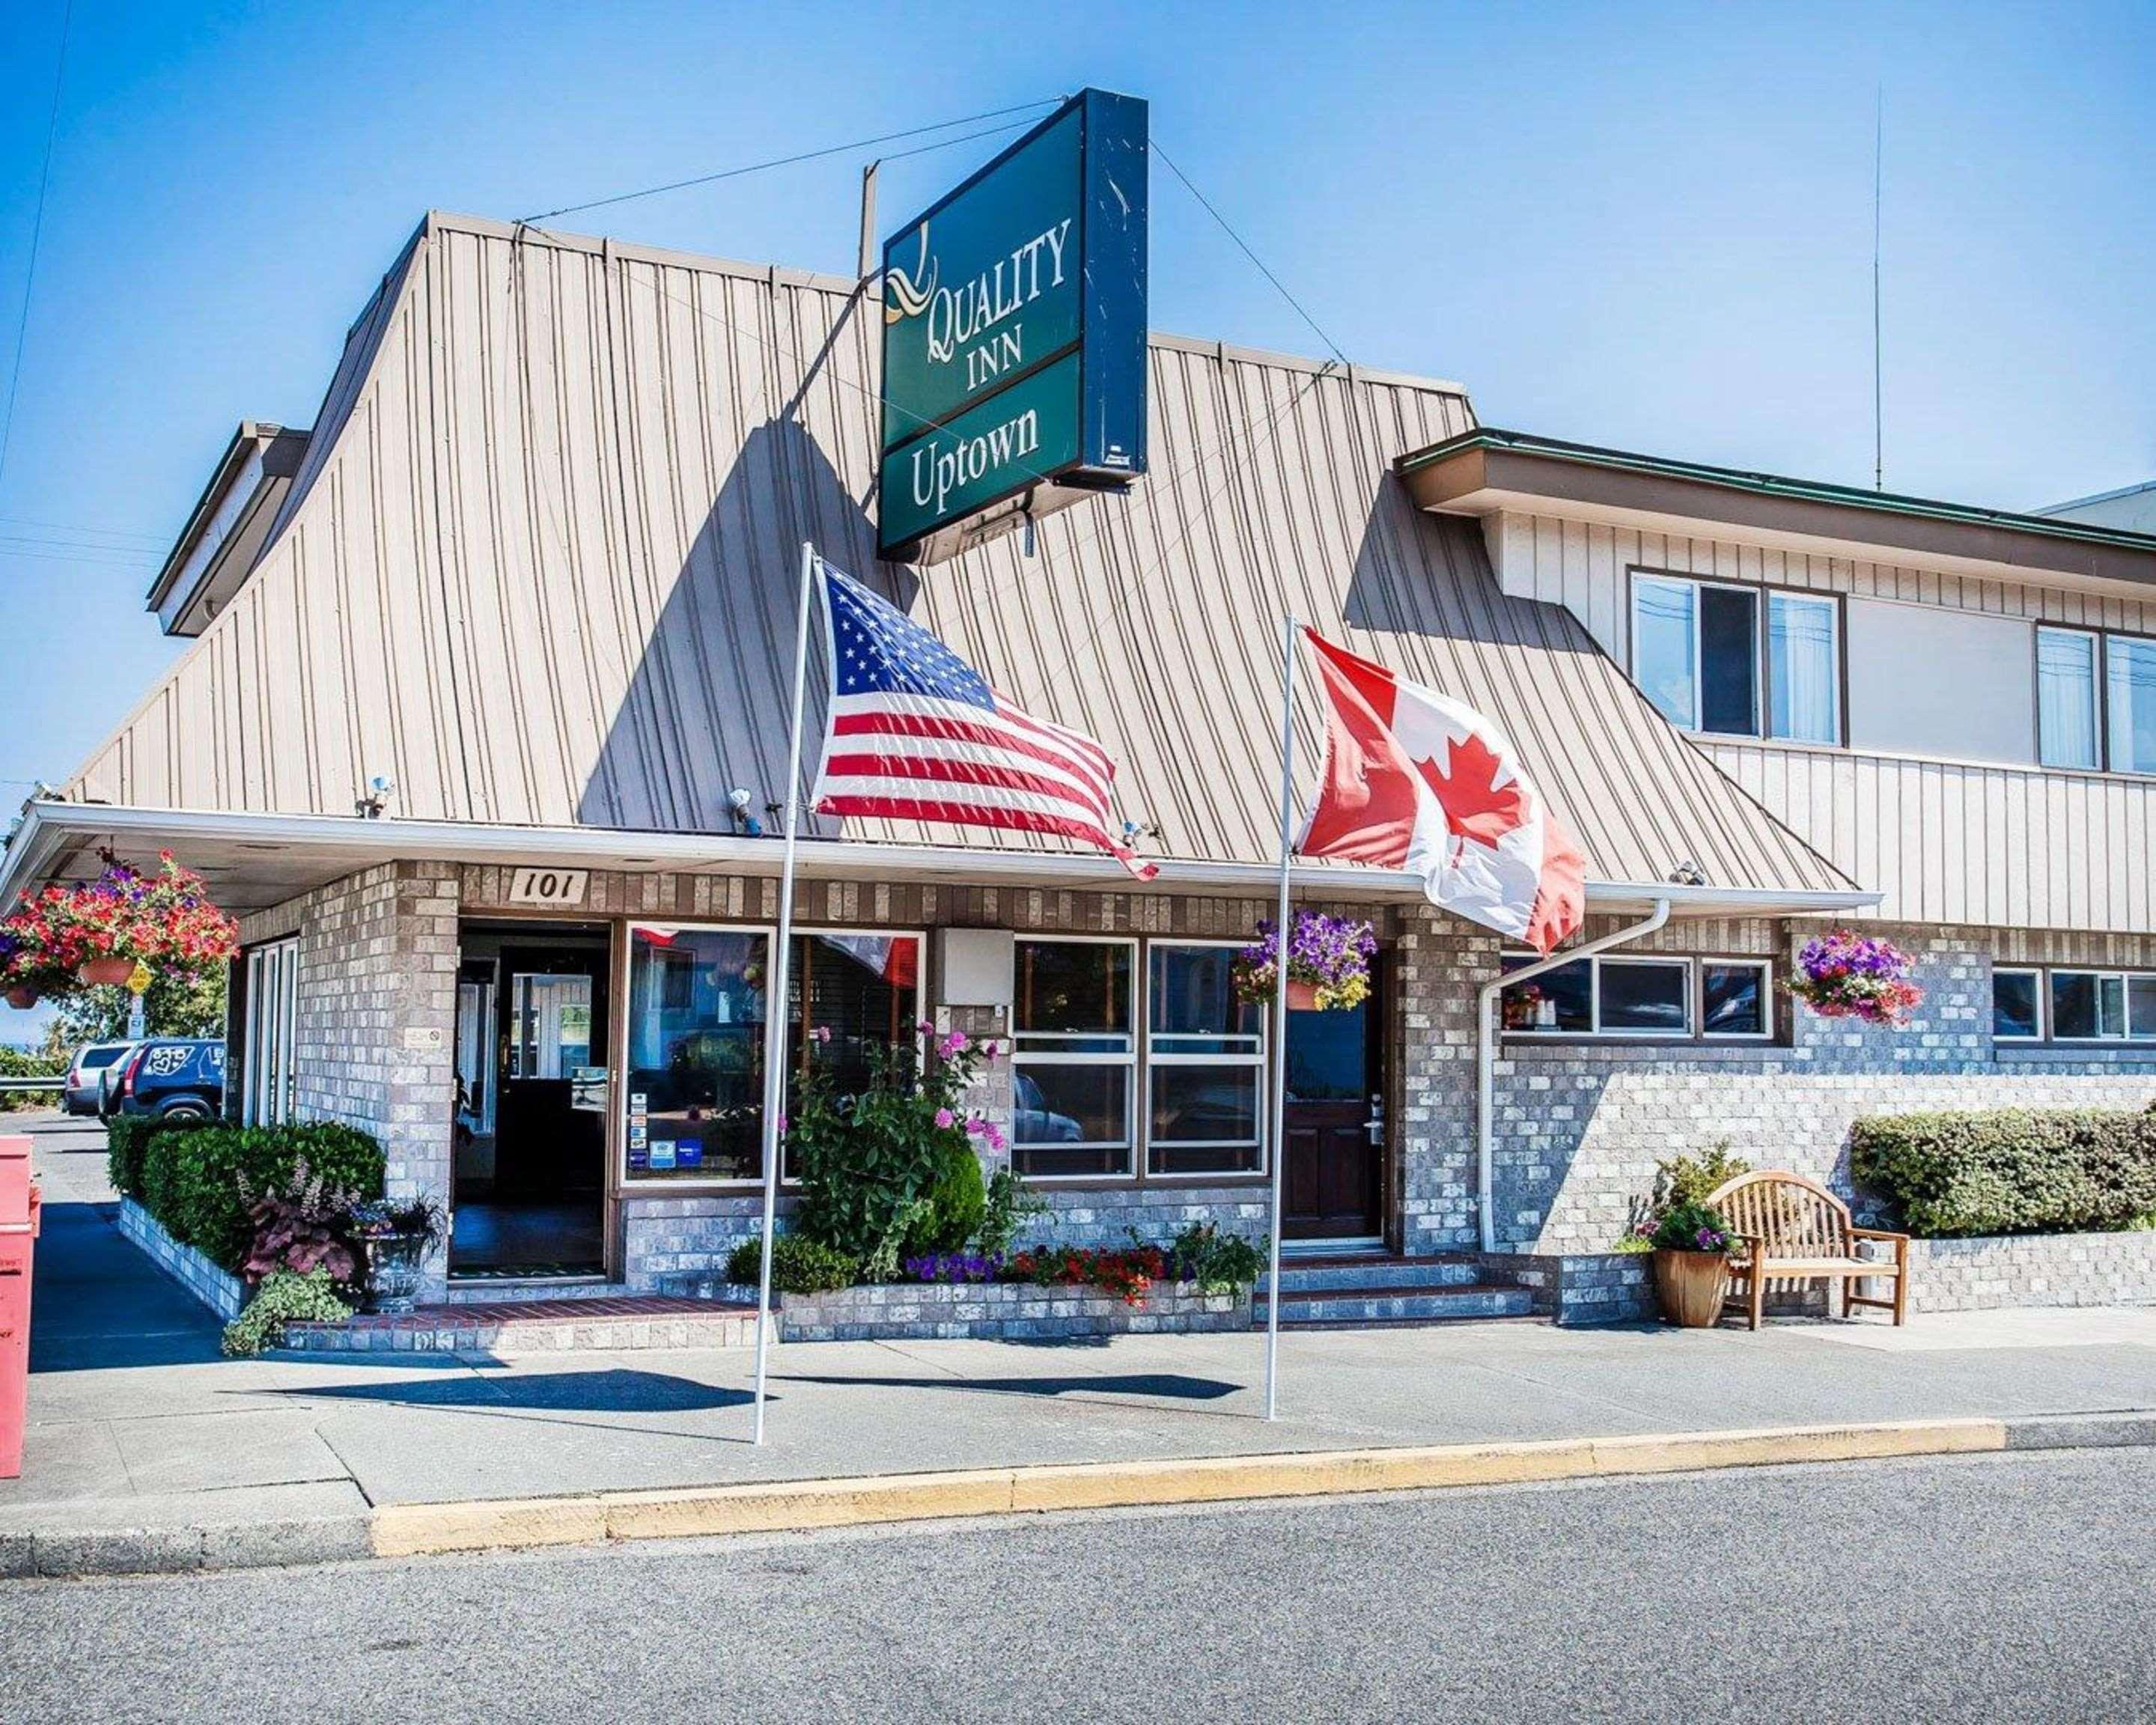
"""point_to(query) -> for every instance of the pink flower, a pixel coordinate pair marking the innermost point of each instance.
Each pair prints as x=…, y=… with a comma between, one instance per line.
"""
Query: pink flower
x=991, y=1049
x=782, y=1122
x=944, y=1117
x=924, y=1028
x=823, y=1033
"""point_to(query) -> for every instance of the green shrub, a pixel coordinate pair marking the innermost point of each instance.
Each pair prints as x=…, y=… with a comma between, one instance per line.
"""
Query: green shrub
x=957, y=1201
x=285, y=1297
x=1688, y=1179
x=192, y=1179
x=798, y=1266
x=1690, y=1227
x=29, y=1063
x=2010, y=1170
x=1218, y=1263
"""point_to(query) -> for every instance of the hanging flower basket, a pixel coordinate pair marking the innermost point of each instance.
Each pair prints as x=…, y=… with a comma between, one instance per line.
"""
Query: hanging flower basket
x=94, y=934
x=22, y=996
x=1328, y=963
x=1845, y=975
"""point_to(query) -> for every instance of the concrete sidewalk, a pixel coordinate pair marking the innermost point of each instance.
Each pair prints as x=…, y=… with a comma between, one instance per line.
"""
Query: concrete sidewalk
x=144, y=1450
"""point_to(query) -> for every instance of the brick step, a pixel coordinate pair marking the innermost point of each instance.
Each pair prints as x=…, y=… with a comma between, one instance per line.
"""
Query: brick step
x=1373, y=1270
x=625, y=1324
x=1384, y=1305
x=708, y=1285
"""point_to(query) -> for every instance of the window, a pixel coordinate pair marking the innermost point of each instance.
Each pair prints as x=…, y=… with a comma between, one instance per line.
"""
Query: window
x=2096, y=701
x=2017, y=1008
x=1073, y=1059
x=2103, y=1006
x=697, y=1027
x=1205, y=1065
x=273, y=989
x=1736, y=998
x=1713, y=657
x=1641, y=997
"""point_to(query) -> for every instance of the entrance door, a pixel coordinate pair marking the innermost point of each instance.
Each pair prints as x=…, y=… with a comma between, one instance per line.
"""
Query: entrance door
x=1335, y=1176
x=533, y=1017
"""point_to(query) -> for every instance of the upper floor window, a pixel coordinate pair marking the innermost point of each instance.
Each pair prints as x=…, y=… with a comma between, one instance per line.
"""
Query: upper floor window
x=2096, y=699
x=1739, y=661
x=2064, y=1005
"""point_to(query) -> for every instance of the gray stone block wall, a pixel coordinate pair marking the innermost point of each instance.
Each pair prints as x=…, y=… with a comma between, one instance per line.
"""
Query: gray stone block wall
x=2033, y=1270
x=375, y=1024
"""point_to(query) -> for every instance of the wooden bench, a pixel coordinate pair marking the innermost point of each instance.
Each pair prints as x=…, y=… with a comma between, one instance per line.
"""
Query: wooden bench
x=1794, y=1230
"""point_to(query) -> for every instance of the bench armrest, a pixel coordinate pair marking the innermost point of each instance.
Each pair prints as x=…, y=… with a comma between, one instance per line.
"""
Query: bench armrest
x=1879, y=1233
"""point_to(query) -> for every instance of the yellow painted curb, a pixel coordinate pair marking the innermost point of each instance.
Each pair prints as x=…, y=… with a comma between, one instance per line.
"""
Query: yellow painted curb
x=408, y=1530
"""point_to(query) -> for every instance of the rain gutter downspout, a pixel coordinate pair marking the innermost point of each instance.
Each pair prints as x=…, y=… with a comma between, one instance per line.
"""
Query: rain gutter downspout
x=1485, y=1048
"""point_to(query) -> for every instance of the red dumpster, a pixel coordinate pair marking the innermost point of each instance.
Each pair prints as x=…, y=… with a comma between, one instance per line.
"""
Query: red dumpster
x=19, y=1228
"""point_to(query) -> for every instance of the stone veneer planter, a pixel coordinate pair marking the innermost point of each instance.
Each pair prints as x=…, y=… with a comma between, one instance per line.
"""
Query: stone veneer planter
x=219, y=1290
x=996, y=1311
x=1988, y=1272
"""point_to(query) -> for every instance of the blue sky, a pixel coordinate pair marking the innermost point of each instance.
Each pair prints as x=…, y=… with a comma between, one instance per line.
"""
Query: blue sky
x=1648, y=226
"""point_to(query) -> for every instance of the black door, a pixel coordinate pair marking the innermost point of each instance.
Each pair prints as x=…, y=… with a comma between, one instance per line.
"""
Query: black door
x=530, y=1188
x=1335, y=1176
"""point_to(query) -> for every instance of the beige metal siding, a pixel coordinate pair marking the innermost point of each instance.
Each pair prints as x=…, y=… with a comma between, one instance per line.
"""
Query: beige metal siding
x=541, y=569
x=1951, y=842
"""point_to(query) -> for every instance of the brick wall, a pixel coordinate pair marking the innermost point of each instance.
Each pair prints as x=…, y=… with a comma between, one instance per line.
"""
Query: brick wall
x=2033, y=1270
x=1581, y=1125
x=377, y=981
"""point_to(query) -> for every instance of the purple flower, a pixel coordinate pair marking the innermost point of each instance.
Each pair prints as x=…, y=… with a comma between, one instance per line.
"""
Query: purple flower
x=823, y=1033
x=944, y=1118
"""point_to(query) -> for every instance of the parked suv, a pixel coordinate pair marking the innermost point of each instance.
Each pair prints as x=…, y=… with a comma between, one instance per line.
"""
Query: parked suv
x=177, y=1077
x=86, y=1073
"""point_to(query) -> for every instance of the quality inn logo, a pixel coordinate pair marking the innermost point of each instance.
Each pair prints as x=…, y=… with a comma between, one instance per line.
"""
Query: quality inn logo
x=975, y=320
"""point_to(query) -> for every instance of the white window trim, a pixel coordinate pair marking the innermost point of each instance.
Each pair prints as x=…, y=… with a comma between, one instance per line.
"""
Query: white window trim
x=1128, y=1060
x=1691, y=1004
x=2126, y=979
x=1765, y=967
x=2043, y=1003
x=1254, y=1060
x=1763, y=695
x=270, y=1078
x=649, y=1185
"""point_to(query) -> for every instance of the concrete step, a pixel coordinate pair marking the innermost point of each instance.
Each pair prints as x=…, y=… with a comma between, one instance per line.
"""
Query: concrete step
x=1381, y=1305
x=625, y=1324
x=1374, y=1271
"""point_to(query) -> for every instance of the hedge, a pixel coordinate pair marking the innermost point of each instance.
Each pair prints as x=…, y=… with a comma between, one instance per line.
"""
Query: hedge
x=2011, y=1170
x=188, y=1175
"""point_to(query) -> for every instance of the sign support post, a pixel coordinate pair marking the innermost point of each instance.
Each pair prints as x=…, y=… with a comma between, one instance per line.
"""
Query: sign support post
x=1279, y=1145
x=774, y=1010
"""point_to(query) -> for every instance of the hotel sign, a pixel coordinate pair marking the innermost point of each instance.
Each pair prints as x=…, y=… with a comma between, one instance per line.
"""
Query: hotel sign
x=1013, y=336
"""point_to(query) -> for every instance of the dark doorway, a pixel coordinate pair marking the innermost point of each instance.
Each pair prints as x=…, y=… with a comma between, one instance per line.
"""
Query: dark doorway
x=1335, y=1176
x=533, y=1021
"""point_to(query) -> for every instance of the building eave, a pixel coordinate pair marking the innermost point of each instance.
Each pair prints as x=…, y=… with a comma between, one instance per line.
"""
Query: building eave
x=255, y=861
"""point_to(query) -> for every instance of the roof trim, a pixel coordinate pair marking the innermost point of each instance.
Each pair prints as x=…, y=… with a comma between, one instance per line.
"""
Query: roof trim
x=1493, y=459
x=48, y=827
x=253, y=437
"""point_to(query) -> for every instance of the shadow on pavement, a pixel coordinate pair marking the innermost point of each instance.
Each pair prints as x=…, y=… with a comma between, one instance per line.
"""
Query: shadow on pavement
x=1173, y=1385
x=96, y=1303
x=614, y=1391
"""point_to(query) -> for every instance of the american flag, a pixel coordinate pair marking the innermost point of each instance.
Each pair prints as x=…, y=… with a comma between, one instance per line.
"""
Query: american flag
x=916, y=733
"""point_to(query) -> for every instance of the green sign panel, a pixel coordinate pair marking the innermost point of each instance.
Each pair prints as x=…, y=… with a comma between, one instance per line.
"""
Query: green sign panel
x=995, y=447
x=1014, y=332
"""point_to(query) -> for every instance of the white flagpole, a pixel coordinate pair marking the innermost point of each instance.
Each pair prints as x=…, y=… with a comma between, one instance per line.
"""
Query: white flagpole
x=775, y=980
x=1279, y=1015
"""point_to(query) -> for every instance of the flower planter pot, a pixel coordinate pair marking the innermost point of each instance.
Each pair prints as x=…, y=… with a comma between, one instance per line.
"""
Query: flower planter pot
x=23, y=996
x=105, y=972
x=392, y=1271
x=1301, y=997
x=1690, y=1285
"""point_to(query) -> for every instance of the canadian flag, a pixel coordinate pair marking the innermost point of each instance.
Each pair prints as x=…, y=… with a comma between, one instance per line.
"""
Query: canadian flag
x=1417, y=781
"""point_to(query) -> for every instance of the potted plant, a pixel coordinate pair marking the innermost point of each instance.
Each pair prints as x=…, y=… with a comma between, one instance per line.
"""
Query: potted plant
x=1845, y=975
x=396, y=1239
x=1691, y=1247
x=1328, y=963
x=95, y=933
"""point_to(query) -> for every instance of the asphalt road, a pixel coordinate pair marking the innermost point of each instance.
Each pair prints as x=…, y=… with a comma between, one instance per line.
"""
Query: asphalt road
x=2007, y=1587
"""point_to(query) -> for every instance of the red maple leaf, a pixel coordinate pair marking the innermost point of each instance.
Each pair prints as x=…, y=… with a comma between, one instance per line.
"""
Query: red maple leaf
x=1475, y=805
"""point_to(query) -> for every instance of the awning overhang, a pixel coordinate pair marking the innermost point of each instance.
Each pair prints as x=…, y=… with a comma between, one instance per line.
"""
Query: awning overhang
x=252, y=861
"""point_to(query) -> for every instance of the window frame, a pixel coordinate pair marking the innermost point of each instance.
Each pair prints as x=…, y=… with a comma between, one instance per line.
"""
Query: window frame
x=1768, y=1029
x=1260, y=1061
x=647, y=1186
x=1762, y=593
x=1694, y=963
x=2043, y=1031
x=1131, y=1143
x=2100, y=973
x=2101, y=639
x=270, y=1065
